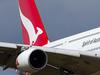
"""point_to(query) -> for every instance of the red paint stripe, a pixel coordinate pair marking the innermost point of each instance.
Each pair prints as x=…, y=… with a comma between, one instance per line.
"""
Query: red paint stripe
x=17, y=63
x=25, y=35
x=29, y=9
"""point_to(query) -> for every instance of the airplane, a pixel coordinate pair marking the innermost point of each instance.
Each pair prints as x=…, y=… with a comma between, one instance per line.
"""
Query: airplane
x=74, y=55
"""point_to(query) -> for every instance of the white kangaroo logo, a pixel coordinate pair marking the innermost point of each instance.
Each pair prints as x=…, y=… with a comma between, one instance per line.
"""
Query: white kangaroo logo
x=30, y=29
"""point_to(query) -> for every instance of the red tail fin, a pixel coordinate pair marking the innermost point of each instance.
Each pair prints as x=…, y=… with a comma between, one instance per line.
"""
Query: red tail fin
x=32, y=26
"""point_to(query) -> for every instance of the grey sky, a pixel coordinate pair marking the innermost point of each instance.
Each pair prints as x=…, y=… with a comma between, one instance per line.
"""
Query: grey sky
x=66, y=17
x=61, y=18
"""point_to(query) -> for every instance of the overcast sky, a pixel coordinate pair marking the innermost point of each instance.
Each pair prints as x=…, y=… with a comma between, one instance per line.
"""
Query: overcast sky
x=61, y=18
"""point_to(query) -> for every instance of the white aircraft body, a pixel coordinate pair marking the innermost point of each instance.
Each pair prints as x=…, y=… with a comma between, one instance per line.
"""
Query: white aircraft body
x=75, y=55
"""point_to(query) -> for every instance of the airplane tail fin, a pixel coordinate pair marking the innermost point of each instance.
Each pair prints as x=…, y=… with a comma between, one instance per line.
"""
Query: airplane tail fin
x=32, y=27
